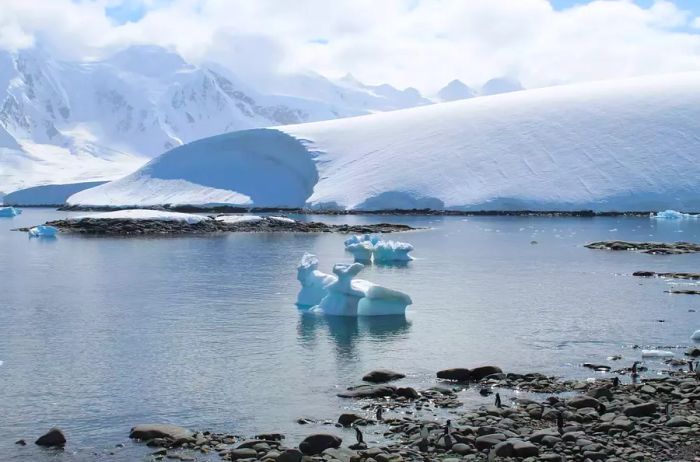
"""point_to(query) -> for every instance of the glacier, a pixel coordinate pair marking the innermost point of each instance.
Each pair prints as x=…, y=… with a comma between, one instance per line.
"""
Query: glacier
x=622, y=145
x=53, y=194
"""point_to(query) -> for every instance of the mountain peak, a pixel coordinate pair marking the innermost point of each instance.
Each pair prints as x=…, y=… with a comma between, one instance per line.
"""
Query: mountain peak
x=456, y=90
x=501, y=85
x=148, y=60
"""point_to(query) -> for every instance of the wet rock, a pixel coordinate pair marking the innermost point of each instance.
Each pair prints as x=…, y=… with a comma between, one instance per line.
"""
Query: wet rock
x=368, y=391
x=462, y=449
x=52, y=438
x=693, y=352
x=456, y=374
x=270, y=436
x=382, y=376
x=348, y=419
x=480, y=373
x=407, y=392
x=290, y=455
x=21, y=442
x=524, y=448
x=147, y=432
x=316, y=444
x=342, y=454
x=580, y=402
x=243, y=453
x=678, y=421
x=489, y=441
x=640, y=410
x=501, y=449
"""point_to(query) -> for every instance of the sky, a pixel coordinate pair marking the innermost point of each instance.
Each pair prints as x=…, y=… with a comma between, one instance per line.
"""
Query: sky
x=419, y=43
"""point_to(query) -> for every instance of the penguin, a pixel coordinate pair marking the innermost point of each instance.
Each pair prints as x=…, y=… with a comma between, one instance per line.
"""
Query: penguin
x=423, y=443
x=635, y=373
x=668, y=409
x=602, y=409
x=615, y=382
x=379, y=413
x=560, y=423
x=498, y=401
x=424, y=432
x=358, y=435
x=690, y=366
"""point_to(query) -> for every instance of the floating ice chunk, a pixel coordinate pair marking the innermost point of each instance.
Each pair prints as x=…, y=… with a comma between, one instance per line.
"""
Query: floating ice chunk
x=314, y=283
x=282, y=219
x=358, y=238
x=43, y=231
x=361, y=251
x=145, y=214
x=656, y=354
x=392, y=251
x=238, y=218
x=357, y=297
x=695, y=336
x=673, y=215
x=9, y=212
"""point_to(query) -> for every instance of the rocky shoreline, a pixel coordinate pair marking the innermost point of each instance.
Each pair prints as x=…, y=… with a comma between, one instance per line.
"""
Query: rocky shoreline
x=650, y=419
x=652, y=248
x=141, y=227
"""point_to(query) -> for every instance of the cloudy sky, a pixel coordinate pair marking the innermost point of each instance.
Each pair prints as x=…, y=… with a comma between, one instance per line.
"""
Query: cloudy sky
x=421, y=43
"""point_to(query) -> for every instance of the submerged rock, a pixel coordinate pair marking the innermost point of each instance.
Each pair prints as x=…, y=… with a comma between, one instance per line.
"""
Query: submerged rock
x=456, y=374
x=52, y=438
x=147, y=432
x=382, y=376
x=368, y=391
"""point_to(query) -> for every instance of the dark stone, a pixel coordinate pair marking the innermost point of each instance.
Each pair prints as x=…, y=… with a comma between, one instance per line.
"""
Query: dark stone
x=640, y=410
x=368, y=391
x=316, y=444
x=693, y=352
x=382, y=376
x=146, y=432
x=270, y=436
x=582, y=401
x=21, y=442
x=456, y=374
x=243, y=453
x=479, y=373
x=290, y=455
x=489, y=441
x=348, y=419
x=407, y=392
x=52, y=438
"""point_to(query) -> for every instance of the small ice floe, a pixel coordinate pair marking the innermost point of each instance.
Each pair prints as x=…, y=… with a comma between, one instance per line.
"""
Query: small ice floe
x=232, y=219
x=43, y=231
x=367, y=248
x=656, y=354
x=314, y=283
x=695, y=336
x=9, y=212
x=673, y=215
x=356, y=297
x=144, y=214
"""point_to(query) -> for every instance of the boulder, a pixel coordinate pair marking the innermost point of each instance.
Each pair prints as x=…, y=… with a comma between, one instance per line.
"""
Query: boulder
x=382, y=376
x=489, y=441
x=342, y=454
x=582, y=401
x=502, y=449
x=290, y=455
x=479, y=373
x=147, y=432
x=524, y=448
x=52, y=438
x=640, y=410
x=456, y=374
x=368, y=391
x=348, y=419
x=678, y=421
x=407, y=392
x=316, y=444
x=243, y=453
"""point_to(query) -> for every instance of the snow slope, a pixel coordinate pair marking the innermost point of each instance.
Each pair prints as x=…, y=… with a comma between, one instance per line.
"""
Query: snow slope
x=615, y=145
x=54, y=194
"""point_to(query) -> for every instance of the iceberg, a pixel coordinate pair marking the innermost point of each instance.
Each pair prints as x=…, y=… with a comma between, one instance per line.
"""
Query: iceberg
x=43, y=231
x=356, y=297
x=314, y=283
x=392, y=251
x=656, y=354
x=695, y=336
x=9, y=212
x=368, y=247
x=674, y=215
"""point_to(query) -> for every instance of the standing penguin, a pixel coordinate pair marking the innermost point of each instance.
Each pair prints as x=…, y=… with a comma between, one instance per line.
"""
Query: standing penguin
x=423, y=443
x=498, y=401
x=560, y=423
x=358, y=435
x=616, y=382
x=379, y=413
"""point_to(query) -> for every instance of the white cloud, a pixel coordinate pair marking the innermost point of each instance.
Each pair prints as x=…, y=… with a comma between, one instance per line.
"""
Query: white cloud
x=424, y=43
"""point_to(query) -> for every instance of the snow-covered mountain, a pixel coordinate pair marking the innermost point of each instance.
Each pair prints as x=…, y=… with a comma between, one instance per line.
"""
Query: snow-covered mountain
x=617, y=145
x=63, y=122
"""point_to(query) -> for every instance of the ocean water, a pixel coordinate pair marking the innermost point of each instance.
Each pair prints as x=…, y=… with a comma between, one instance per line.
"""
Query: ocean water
x=100, y=334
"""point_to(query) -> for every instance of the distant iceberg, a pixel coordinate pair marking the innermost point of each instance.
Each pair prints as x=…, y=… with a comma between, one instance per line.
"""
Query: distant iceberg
x=695, y=336
x=314, y=283
x=368, y=247
x=9, y=212
x=361, y=251
x=656, y=354
x=674, y=215
x=43, y=231
x=356, y=297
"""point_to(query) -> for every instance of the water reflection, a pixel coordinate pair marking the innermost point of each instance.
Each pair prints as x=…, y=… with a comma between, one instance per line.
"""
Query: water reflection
x=346, y=331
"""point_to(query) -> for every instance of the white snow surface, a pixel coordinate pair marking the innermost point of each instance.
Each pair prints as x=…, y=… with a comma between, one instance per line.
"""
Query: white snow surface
x=656, y=354
x=615, y=145
x=239, y=218
x=145, y=214
x=53, y=194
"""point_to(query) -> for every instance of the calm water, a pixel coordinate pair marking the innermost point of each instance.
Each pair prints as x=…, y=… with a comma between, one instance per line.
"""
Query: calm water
x=99, y=334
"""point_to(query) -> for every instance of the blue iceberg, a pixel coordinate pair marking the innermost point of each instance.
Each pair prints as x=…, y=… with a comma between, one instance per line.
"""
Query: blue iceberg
x=9, y=212
x=43, y=231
